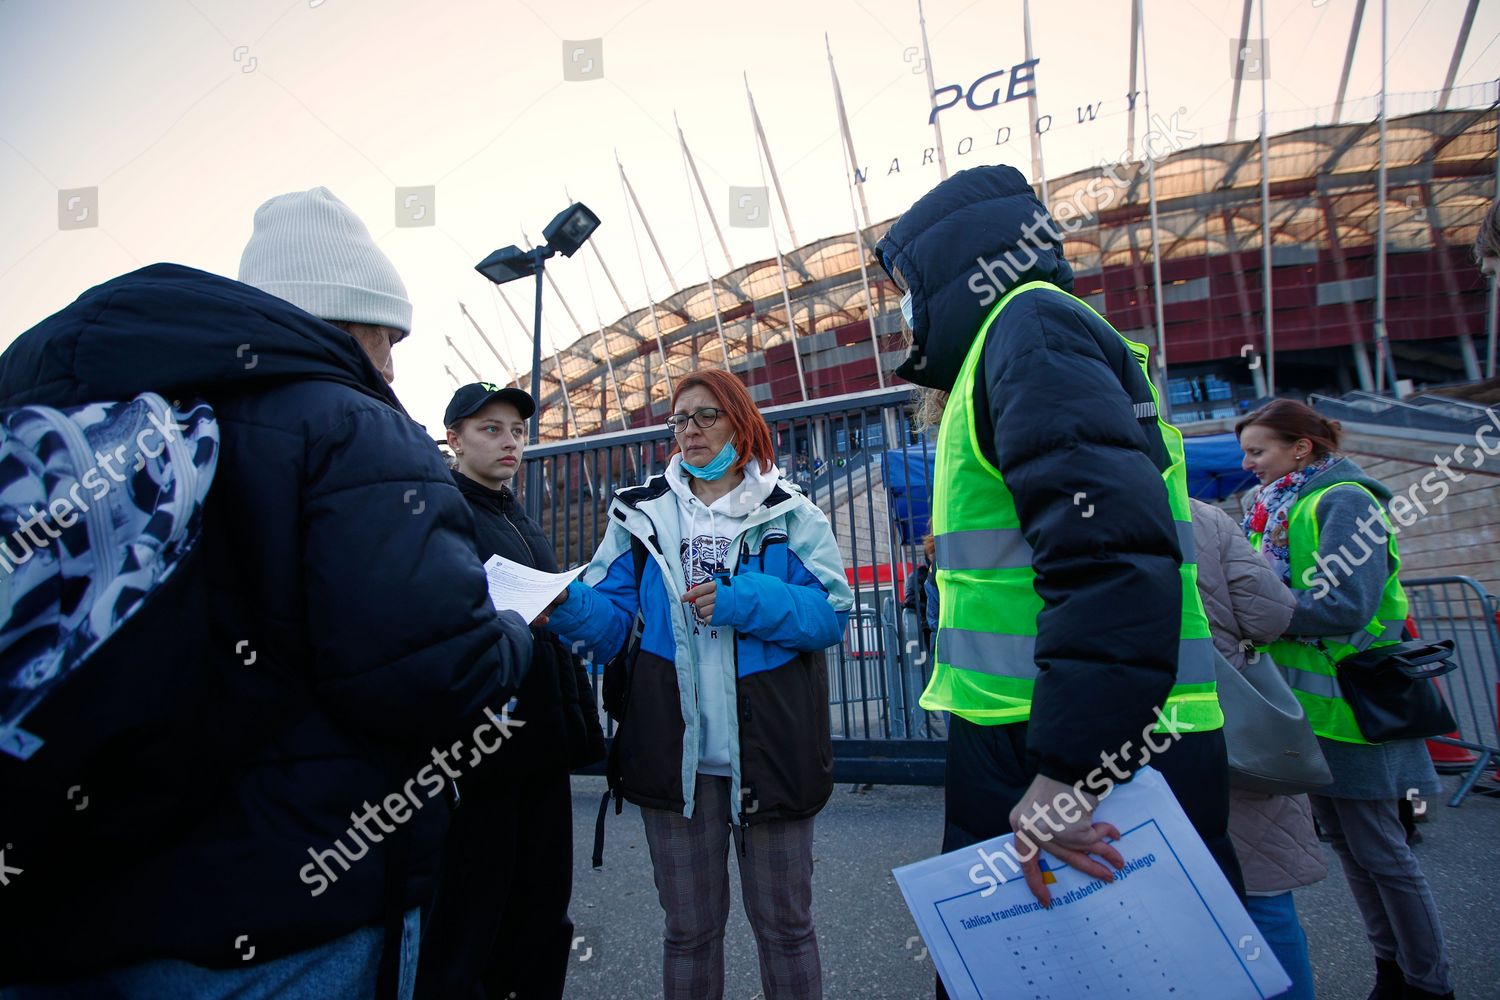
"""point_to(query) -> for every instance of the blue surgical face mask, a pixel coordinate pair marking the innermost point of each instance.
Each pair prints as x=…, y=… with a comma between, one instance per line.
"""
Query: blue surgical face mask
x=715, y=469
x=906, y=309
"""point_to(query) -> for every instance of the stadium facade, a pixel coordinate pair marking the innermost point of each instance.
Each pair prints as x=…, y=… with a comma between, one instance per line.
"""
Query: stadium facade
x=1441, y=177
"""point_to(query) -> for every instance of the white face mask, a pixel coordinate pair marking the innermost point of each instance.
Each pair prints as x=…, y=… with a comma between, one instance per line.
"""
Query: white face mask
x=906, y=309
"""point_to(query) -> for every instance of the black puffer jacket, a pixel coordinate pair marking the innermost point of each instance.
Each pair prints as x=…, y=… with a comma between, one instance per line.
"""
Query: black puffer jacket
x=1056, y=398
x=556, y=702
x=344, y=607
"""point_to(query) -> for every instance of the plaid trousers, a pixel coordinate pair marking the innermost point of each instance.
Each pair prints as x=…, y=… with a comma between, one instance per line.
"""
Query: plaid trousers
x=689, y=859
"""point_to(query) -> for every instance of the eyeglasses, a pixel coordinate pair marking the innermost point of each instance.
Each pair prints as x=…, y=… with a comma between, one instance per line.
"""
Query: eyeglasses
x=704, y=417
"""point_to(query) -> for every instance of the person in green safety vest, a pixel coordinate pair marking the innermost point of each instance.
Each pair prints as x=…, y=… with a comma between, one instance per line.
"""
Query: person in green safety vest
x=1071, y=644
x=1322, y=524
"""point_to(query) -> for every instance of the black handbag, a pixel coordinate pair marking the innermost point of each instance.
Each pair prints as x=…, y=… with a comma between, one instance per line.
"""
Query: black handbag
x=1390, y=692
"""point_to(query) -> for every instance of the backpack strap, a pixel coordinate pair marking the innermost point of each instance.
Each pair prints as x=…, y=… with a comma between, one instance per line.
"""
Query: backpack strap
x=626, y=660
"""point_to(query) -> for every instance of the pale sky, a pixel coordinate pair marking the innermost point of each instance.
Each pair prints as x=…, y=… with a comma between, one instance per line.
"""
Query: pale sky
x=187, y=114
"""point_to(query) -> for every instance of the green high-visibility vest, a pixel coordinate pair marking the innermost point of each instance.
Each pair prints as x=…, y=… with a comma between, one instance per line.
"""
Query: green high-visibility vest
x=1311, y=664
x=985, y=653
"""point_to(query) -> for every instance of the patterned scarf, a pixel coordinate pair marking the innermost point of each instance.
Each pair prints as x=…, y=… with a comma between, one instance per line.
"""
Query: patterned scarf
x=1273, y=502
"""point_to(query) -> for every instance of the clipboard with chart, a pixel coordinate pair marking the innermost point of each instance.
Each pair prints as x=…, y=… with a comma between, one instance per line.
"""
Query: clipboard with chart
x=1169, y=925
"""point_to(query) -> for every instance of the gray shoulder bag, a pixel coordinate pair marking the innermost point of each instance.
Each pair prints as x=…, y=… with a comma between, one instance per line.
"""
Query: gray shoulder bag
x=1272, y=748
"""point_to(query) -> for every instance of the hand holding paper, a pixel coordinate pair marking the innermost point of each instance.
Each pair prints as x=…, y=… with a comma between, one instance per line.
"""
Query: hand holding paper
x=529, y=592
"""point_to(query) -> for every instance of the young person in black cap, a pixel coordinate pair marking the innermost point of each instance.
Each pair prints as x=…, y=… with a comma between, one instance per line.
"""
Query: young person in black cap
x=500, y=926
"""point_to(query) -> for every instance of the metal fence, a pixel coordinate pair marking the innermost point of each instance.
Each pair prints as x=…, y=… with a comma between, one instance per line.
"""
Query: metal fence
x=1458, y=608
x=851, y=454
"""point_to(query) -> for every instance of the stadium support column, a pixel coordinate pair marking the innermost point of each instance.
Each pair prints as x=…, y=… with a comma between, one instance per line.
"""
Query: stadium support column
x=1267, y=260
x=852, y=180
x=609, y=364
x=1458, y=53
x=1038, y=164
x=1338, y=102
x=1492, y=313
x=937, y=128
x=689, y=170
x=1385, y=363
x=1239, y=69
x=1163, y=397
x=479, y=330
x=477, y=377
x=763, y=150
x=666, y=369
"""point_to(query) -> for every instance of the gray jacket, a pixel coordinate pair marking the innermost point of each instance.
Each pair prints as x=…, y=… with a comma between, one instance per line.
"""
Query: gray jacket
x=1360, y=771
x=1246, y=601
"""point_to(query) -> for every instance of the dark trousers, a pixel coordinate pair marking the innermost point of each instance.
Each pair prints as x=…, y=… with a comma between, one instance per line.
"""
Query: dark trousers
x=989, y=770
x=499, y=925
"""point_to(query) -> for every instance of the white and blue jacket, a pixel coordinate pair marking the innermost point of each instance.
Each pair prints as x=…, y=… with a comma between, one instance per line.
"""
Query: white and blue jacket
x=785, y=595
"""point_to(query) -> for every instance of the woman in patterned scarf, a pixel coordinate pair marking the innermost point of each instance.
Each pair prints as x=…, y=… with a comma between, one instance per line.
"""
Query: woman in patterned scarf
x=1318, y=511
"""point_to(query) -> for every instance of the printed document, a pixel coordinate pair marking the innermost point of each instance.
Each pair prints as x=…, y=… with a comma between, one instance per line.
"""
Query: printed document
x=526, y=591
x=1169, y=925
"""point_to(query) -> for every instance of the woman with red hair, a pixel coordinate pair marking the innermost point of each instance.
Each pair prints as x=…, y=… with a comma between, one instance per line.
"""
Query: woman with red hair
x=737, y=586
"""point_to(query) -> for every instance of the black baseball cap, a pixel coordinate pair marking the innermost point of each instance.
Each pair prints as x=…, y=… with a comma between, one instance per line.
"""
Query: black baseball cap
x=475, y=396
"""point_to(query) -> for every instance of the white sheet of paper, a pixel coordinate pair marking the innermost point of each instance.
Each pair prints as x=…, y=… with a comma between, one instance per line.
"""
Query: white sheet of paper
x=526, y=591
x=1171, y=927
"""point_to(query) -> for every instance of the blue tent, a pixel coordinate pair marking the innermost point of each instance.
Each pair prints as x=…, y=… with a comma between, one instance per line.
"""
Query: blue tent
x=1213, y=473
x=1213, y=466
x=908, y=473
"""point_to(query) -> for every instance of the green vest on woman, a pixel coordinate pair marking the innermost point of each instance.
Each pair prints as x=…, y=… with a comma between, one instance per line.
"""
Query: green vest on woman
x=1311, y=664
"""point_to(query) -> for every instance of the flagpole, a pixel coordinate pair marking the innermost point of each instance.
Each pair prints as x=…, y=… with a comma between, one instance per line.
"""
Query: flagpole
x=1164, y=401
x=937, y=127
x=859, y=236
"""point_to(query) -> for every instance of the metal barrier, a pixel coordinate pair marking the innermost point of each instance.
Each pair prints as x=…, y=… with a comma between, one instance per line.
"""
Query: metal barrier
x=1458, y=608
x=834, y=449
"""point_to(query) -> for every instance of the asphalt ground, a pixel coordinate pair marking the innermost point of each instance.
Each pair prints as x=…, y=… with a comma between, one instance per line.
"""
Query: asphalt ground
x=867, y=938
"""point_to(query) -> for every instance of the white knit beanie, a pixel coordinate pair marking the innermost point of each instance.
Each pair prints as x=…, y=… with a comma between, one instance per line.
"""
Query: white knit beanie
x=312, y=250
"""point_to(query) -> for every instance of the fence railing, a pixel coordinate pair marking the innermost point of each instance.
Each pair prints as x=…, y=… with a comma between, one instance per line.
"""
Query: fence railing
x=1458, y=608
x=850, y=454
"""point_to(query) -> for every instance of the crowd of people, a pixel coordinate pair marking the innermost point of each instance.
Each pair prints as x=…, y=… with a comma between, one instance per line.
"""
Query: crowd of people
x=342, y=551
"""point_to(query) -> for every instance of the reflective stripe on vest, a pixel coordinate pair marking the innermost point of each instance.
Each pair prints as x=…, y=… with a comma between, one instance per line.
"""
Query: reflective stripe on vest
x=986, y=667
x=1007, y=548
x=1311, y=664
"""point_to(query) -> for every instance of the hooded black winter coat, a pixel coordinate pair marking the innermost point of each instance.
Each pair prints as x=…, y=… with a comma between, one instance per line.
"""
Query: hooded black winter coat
x=556, y=701
x=1055, y=399
x=345, y=611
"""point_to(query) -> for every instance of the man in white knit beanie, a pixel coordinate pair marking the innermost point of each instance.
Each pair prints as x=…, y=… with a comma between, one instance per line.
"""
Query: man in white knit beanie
x=310, y=249
x=338, y=626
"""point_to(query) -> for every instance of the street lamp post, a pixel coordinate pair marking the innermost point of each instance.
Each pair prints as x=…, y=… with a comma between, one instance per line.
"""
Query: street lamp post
x=567, y=231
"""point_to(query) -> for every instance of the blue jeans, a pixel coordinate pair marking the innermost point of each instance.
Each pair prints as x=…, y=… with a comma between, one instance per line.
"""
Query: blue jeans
x=345, y=968
x=1276, y=918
